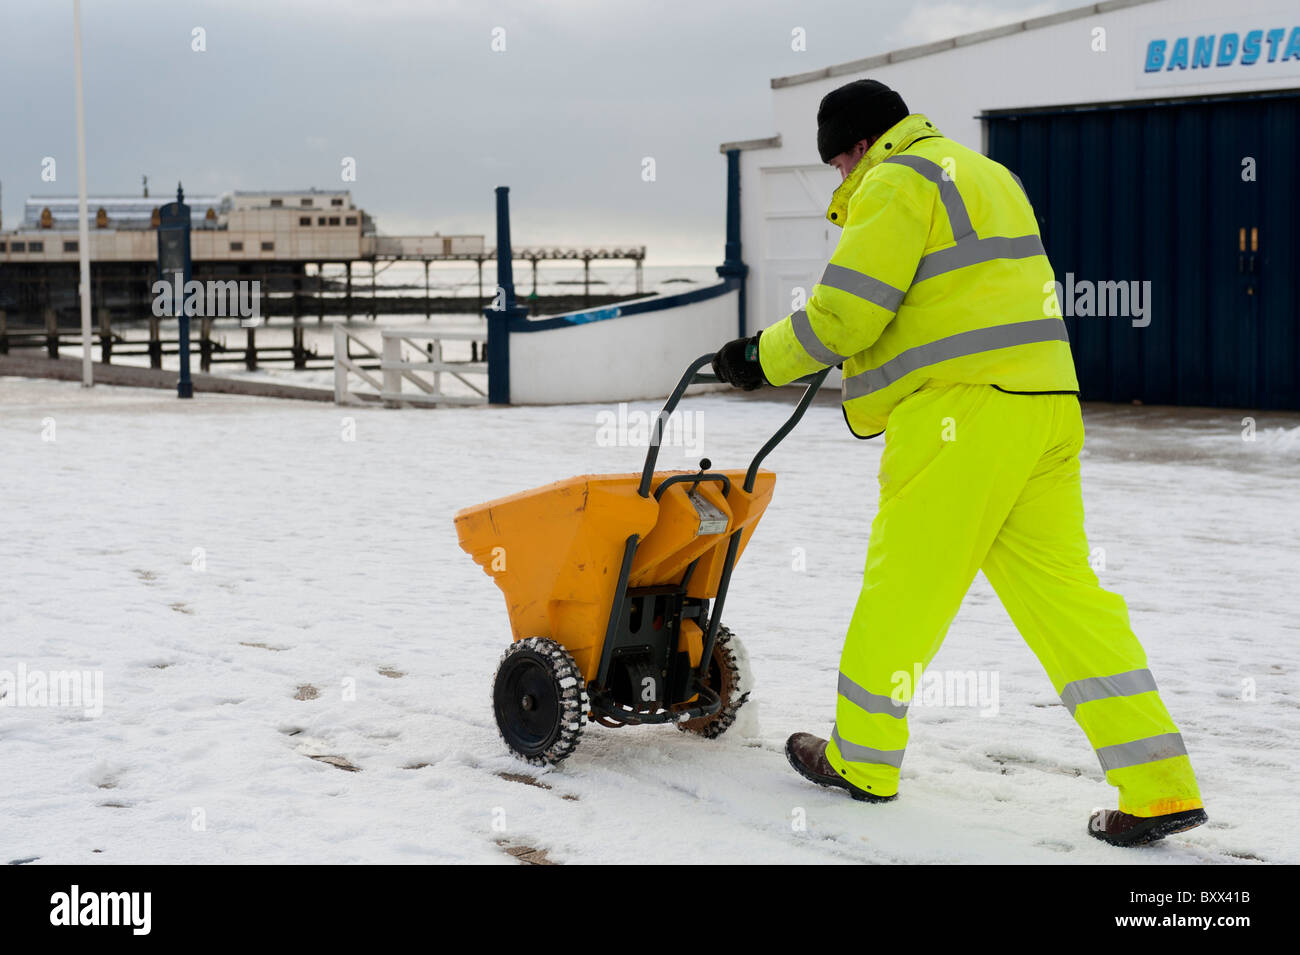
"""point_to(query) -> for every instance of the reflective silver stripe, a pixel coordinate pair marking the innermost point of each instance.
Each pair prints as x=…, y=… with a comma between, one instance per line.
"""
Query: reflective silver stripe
x=870, y=702
x=1103, y=687
x=960, y=345
x=1019, y=183
x=863, y=286
x=803, y=331
x=865, y=754
x=975, y=251
x=1141, y=751
x=970, y=249
x=958, y=218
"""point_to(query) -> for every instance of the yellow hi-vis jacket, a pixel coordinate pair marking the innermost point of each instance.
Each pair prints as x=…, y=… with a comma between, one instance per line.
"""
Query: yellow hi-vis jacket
x=939, y=273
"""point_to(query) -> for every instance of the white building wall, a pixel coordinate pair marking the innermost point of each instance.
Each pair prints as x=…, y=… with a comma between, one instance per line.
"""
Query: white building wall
x=1046, y=65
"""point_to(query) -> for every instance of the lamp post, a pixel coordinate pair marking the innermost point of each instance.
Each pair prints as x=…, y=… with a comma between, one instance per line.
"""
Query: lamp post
x=504, y=308
x=176, y=266
x=733, y=268
x=83, y=247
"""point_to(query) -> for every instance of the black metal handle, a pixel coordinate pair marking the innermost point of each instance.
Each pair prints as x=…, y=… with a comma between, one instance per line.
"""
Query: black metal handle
x=733, y=545
x=688, y=379
x=808, y=395
x=657, y=433
x=693, y=479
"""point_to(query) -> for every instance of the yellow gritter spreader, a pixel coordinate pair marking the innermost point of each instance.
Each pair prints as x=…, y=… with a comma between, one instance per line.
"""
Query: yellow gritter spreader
x=615, y=585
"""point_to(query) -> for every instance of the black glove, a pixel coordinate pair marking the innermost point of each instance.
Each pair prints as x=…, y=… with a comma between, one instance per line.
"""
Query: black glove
x=736, y=363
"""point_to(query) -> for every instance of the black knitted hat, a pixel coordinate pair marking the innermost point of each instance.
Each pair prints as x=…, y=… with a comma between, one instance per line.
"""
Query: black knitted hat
x=856, y=111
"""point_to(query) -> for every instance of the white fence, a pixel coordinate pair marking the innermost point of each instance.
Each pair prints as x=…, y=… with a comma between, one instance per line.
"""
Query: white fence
x=401, y=361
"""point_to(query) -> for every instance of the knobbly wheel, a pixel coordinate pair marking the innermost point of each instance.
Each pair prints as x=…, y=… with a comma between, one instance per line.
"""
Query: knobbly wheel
x=729, y=678
x=539, y=701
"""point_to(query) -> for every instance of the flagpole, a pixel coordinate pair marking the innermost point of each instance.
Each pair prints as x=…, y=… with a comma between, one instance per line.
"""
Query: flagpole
x=87, y=370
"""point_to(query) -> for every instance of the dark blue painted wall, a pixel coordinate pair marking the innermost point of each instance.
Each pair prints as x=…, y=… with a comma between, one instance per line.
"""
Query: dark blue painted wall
x=1154, y=191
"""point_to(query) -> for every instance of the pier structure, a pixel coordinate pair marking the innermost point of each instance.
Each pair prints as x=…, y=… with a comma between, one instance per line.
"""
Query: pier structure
x=312, y=252
x=286, y=240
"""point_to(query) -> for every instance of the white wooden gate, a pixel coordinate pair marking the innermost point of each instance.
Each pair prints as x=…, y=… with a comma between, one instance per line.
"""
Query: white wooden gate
x=403, y=361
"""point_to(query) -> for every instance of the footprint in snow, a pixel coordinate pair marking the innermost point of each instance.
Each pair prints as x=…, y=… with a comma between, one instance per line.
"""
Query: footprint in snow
x=1003, y=760
x=529, y=780
x=1247, y=856
x=525, y=854
x=338, y=762
x=1054, y=845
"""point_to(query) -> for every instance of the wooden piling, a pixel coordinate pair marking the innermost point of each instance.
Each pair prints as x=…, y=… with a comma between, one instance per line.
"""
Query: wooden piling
x=205, y=343
x=348, y=297
x=52, y=332
x=105, y=336
x=155, y=341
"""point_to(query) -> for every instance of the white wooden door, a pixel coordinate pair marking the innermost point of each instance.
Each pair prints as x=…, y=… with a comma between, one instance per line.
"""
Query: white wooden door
x=797, y=238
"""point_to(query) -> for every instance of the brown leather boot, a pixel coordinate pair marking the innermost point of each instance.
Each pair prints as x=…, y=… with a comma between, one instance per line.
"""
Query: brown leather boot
x=807, y=754
x=1121, y=829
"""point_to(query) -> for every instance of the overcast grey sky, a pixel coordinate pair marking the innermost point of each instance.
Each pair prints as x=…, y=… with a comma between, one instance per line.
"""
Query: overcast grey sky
x=433, y=116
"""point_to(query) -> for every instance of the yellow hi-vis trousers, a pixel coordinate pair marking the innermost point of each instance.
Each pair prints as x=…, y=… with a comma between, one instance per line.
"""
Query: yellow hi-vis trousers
x=976, y=478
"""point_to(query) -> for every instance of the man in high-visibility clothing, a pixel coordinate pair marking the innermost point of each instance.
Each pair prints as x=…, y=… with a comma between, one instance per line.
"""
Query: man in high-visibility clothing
x=938, y=306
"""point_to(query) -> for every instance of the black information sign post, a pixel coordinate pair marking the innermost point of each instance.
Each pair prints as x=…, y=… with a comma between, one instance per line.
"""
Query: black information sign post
x=177, y=269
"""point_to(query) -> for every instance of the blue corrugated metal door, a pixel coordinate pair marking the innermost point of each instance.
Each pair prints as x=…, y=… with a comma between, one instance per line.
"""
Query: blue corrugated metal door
x=1197, y=198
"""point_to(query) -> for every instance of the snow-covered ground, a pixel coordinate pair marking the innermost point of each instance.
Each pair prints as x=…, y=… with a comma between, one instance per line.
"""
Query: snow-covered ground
x=217, y=560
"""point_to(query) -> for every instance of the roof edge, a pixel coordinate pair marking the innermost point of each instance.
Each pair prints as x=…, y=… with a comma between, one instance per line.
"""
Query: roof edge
x=952, y=43
x=771, y=142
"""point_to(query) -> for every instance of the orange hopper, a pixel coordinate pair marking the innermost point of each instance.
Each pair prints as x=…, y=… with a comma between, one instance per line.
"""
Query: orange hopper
x=614, y=584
